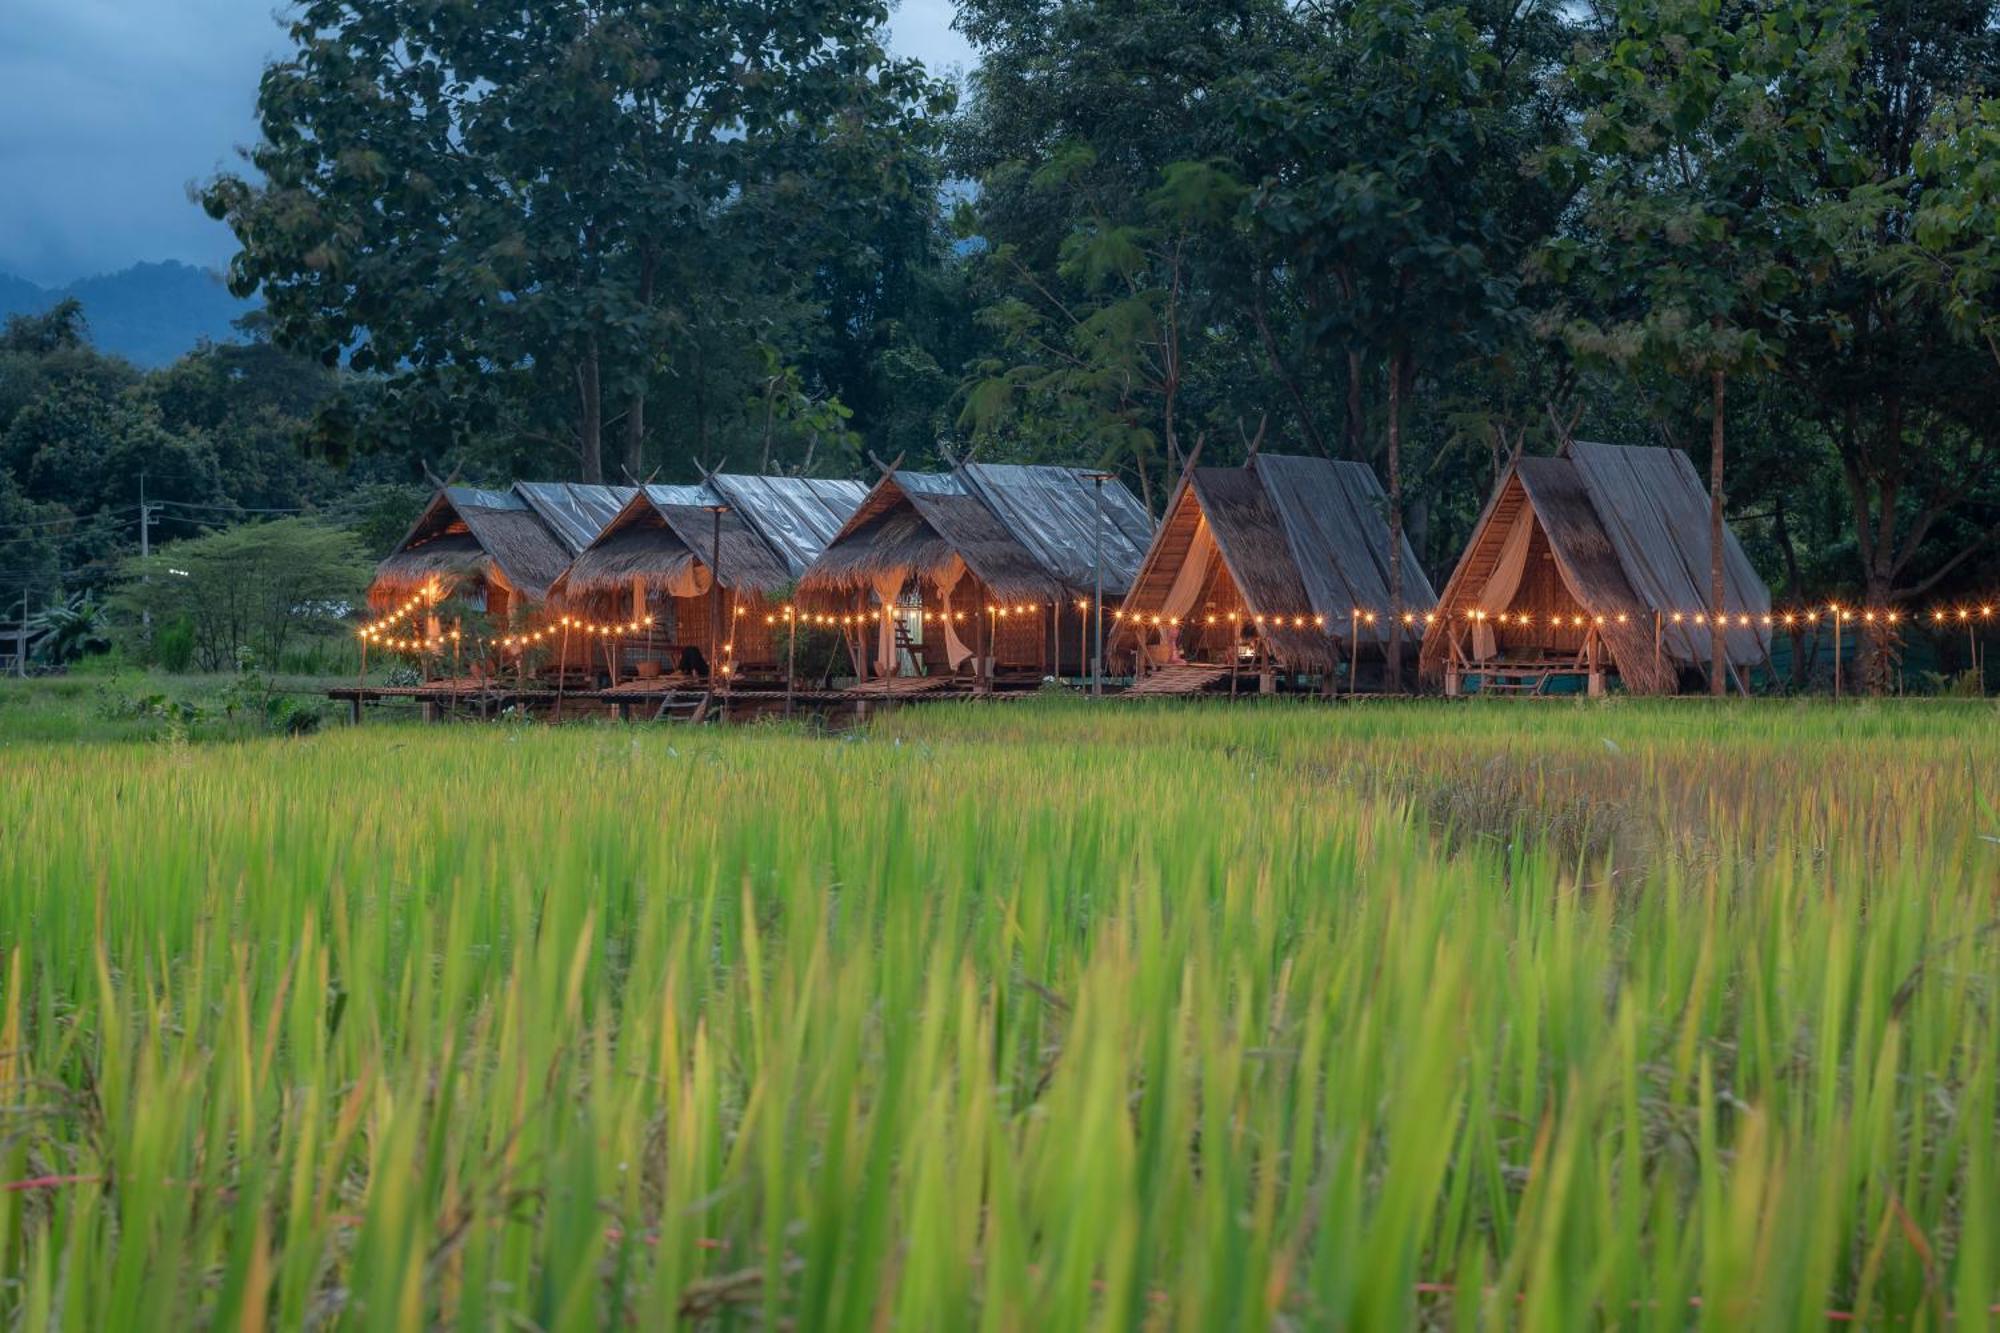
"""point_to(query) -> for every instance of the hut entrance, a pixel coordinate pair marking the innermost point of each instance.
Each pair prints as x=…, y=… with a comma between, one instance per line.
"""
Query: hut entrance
x=1521, y=628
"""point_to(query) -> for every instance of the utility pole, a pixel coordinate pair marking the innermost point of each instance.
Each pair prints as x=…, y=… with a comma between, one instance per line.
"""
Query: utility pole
x=145, y=536
x=1097, y=597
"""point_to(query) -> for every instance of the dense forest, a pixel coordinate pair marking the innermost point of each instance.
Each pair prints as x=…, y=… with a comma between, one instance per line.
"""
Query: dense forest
x=626, y=238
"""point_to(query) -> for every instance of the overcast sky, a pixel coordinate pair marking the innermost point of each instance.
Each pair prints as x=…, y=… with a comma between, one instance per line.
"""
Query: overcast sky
x=110, y=108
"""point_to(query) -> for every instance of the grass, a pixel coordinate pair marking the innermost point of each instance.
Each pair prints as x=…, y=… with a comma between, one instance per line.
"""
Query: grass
x=1030, y=1017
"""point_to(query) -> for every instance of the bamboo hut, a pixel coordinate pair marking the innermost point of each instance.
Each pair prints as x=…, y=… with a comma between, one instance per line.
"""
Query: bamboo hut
x=1281, y=565
x=1595, y=564
x=701, y=569
x=988, y=568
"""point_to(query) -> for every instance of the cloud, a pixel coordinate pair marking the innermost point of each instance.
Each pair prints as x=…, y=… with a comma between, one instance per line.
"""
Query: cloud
x=110, y=109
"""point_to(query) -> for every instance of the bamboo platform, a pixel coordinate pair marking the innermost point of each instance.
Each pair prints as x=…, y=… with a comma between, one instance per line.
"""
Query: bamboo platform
x=903, y=687
x=1177, y=682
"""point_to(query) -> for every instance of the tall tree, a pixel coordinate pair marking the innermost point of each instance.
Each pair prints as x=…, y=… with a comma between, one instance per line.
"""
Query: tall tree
x=1698, y=160
x=1098, y=135
x=1894, y=359
x=503, y=199
x=1397, y=146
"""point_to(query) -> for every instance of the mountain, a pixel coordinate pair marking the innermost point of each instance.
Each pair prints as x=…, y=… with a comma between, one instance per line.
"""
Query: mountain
x=149, y=314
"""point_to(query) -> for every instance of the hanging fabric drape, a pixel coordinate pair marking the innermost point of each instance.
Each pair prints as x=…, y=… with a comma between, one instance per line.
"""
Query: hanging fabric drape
x=1193, y=574
x=955, y=652
x=888, y=591
x=1505, y=581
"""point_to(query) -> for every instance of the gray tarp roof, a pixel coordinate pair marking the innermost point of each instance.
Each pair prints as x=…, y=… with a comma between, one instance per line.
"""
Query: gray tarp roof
x=1654, y=509
x=1053, y=512
x=770, y=529
x=576, y=513
x=797, y=516
x=1025, y=531
x=1334, y=517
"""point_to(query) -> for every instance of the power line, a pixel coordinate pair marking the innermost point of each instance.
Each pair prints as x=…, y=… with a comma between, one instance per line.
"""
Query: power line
x=225, y=509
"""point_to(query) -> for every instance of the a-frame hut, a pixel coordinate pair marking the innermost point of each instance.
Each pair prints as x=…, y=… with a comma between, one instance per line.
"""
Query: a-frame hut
x=1283, y=562
x=1594, y=564
x=987, y=568
x=702, y=567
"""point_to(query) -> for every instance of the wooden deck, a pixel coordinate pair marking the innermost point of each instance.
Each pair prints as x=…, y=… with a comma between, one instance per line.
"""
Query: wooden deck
x=902, y=687
x=1177, y=682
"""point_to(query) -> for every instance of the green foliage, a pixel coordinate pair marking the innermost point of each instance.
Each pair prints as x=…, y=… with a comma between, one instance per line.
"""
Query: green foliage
x=75, y=629
x=1958, y=222
x=1697, y=165
x=252, y=589
x=532, y=206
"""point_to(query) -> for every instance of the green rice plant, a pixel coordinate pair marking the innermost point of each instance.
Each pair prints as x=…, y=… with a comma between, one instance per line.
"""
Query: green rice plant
x=1028, y=1017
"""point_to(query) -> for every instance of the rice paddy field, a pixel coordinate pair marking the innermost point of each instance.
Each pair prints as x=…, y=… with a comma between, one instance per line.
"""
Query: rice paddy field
x=1011, y=1017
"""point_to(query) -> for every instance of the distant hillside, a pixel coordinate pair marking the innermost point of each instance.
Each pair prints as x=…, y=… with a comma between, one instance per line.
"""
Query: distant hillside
x=149, y=313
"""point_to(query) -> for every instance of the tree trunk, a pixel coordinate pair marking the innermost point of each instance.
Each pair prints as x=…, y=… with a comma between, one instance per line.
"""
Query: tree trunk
x=1393, y=673
x=1307, y=425
x=1718, y=678
x=590, y=424
x=1801, y=667
x=635, y=436
x=635, y=419
x=1357, y=422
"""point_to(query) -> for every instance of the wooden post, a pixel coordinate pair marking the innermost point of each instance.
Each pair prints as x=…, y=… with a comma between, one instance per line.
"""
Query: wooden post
x=1055, y=628
x=791, y=658
x=1596, y=670
x=988, y=631
x=1659, y=630
x=1235, y=651
x=562, y=669
x=354, y=708
x=1836, y=654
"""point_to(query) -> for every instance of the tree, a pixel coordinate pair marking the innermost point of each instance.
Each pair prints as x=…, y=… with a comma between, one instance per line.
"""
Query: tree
x=255, y=587
x=1697, y=162
x=1396, y=147
x=1098, y=134
x=1891, y=357
x=515, y=202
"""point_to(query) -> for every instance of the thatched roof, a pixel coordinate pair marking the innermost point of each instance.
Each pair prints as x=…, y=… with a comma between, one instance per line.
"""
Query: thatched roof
x=1025, y=532
x=466, y=534
x=1298, y=536
x=758, y=531
x=1627, y=528
x=918, y=525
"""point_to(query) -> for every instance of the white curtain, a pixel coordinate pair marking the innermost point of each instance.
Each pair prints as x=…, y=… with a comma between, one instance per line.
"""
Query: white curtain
x=691, y=581
x=955, y=651
x=1193, y=575
x=888, y=590
x=1504, y=582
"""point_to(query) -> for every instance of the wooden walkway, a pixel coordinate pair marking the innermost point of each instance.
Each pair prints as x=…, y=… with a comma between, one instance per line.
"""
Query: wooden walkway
x=1177, y=682
x=901, y=687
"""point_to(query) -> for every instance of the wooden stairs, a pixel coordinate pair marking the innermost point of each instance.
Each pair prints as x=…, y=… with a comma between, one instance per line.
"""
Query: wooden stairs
x=1176, y=682
x=689, y=707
